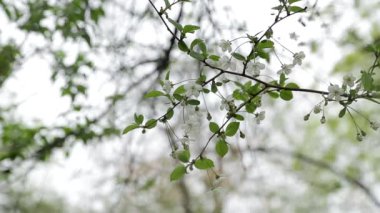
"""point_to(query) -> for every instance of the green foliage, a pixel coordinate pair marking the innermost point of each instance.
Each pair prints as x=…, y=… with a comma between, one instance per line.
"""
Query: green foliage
x=232, y=129
x=178, y=173
x=8, y=56
x=221, y=148
x=204, y=163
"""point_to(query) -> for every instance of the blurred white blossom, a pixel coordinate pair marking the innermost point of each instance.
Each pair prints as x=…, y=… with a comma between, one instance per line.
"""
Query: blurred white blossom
x=335, y=92
x=193, y=89
x=225, y=45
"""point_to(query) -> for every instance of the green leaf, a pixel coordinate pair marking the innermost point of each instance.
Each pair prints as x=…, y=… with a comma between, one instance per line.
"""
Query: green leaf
x=167, y=4
x=367, y=81
x=139, y=118
x=342, y=112
x=295, y=9
x=180, y=90
x=232, y=128
x=273, y=94
x=201, y=44
x=151, y=124
x=176, y=24
x=286, y=95
x=221, y=148
x=214, y=127
x=214, y=88
x=182, y=46
x=169, y=114
x=190, y=28
x=282, y=79
x=293, y=1
x=193, y=102
x=238, y=56
x=204, y=163
x=130, y=128
x=178, y=173
x=238, y=117
x=153, y=94
x=197, y=56
x=184, y=156
x=167, y=76
x=214, y=57
x=292, y=85
x=265, y=44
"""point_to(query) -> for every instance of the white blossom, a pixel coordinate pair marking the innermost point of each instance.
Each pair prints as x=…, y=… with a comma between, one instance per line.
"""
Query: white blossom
x=375, y=125
x=227, y=103
x=298, y=57
x=260, y=117
x=167, y=86
x=225, y=45
x=256, y=68
x=293, y=36
x=226, y=63
x=349, y=80
x=335, y=92
x=286, y=69
x=193, y=89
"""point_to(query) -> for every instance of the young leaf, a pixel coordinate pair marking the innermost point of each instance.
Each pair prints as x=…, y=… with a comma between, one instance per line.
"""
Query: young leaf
x=204, y=163
x=232, y=128
x=292, y=85
x=265, y=44
x=190, y=28
x=180, y=90
x=293, y=1
x=176, y=24
x=214, y=127
x=139, y=119
x=342, y=112
x=193, y=102
x=151, y=124
x=153, y=94
x=214, y=57
x=286, y=95
x=130, y=128
x=184, y=156
x=238, y=56
x=201, y=44
x=167, y=4
x=295, y=9
x=221, y=148
x=182, y=46
x=178, y=173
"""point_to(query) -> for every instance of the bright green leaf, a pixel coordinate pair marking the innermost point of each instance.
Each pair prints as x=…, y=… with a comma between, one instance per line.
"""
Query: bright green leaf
x=130, y=128
x=221, y=148
x=184, y=156
x=238, y=56
x=151, y=124
x=204, y=163
x=178, y=173
x=232, y=128
x=139, y=119
x=295, y=9
x=190, y=28
x=182, y=46
x=286, y=95
x=214, y=127
x=153, y=94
